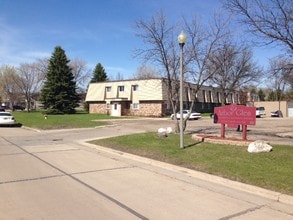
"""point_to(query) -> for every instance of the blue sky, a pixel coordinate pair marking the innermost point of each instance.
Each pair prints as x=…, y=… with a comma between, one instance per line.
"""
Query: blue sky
x=92, y=30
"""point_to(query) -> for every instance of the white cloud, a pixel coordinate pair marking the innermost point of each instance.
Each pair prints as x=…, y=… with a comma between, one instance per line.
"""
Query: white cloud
x=7, y=38
x=114, y=71
x=36, y=54
x=13, y=47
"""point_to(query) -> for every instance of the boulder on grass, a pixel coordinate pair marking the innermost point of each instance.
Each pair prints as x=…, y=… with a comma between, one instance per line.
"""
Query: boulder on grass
x=162, y=132
x=169, y=130
x=259, y=146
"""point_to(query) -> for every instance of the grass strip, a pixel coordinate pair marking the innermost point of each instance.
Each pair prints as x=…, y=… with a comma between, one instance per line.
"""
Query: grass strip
x=272, y=170
x=78, y=120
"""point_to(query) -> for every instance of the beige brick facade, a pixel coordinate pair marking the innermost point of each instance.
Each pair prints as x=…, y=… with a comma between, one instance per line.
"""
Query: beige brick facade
x=148, y=109
x=271, y=106
x=148, y=97
x=98, y=108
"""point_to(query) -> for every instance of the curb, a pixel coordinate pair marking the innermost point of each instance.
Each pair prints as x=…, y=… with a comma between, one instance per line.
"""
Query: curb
x=31, y=129
x=218, y=140
x=275, y=196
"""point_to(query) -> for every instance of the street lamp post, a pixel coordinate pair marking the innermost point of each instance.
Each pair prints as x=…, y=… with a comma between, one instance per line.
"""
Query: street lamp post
x=181, y=41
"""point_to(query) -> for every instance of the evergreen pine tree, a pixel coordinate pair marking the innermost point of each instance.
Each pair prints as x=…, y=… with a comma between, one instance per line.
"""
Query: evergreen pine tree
x=58, y=94
x=261, y=95
x=272, y=96
x=100, y=74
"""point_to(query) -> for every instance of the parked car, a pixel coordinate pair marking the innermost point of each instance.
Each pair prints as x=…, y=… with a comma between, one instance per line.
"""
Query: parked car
x=192, y=116
x=6, y=118
x=277, y=114
x=2, y=109
x=260, y=111
x=18, y=107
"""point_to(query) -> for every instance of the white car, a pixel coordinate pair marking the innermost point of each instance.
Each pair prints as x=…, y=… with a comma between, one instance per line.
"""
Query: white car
x=192, y=116
x=260, y=111
x=6, y=118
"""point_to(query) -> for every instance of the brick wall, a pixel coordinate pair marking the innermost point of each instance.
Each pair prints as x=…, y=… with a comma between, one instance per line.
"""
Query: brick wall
x=98, y=108
x=148, y=110
x=271, y=106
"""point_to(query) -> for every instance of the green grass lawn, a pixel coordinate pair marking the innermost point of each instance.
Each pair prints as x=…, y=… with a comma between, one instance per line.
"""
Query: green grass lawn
x=268, y=170
x=78, y=120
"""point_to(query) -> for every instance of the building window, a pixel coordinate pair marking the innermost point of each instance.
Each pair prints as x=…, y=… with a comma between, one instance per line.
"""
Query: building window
x=121, y=88
x=108, y=106
x=108, y=88
x=135, y=106
x=226, y=98
x=219, y=97
x=134, y=87
x=204, y=96
x=211, y=100
x=232, y=98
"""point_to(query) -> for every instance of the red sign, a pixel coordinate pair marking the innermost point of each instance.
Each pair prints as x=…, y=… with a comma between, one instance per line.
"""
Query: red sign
x=235, y=115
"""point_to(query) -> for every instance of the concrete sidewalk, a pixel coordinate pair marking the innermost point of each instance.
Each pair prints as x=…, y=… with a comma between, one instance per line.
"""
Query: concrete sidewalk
x=74, y=181
x=224, y=195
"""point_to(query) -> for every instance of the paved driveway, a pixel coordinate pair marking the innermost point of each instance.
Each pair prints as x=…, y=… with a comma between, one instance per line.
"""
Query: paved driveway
x=53, y=175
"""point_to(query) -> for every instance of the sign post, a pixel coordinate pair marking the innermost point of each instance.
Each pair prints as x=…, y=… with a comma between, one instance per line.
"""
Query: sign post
x=223, y=130
x=234, y=115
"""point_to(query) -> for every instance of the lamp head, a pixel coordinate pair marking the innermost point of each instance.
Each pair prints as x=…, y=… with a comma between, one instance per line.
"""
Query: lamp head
x=182, y=38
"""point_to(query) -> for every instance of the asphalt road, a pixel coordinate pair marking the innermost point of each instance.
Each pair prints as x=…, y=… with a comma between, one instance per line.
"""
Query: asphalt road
x=55, y=175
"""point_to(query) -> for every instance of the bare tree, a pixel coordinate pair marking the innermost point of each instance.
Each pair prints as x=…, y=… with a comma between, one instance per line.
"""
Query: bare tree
x=279, y=71
x=232, y=67
x=288, y=72
x=271, y=20
x=29, y=79
x=80, y=72
x=160, y=49
x=41, y=66
x=8, y=89
x=119, y=76
x=145, y=72
x=203, y=42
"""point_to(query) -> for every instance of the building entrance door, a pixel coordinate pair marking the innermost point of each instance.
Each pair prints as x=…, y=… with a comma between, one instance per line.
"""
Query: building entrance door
x=116, y=109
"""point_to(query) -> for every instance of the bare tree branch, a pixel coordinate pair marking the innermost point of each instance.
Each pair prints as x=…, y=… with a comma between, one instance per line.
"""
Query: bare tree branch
x=281, y=74
x=160, y=49
x=232, y=67
x=8, y=89
x=80, y=72
x=29, y=80
x=271, y=20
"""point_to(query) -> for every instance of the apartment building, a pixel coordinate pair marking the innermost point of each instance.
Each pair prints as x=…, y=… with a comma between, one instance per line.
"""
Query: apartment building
x=148, y=97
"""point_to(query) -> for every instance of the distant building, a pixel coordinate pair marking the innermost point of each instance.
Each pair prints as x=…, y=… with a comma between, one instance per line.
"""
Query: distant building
x=148, y=97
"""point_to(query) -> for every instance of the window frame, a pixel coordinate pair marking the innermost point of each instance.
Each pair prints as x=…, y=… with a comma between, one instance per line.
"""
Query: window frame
x=108, y=88
x=134, y=88
x=135, y=106
x=121, y=88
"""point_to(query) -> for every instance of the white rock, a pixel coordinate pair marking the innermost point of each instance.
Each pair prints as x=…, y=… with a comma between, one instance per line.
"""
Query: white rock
x=169, y=130
x=259, y=146
x=162, y=132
